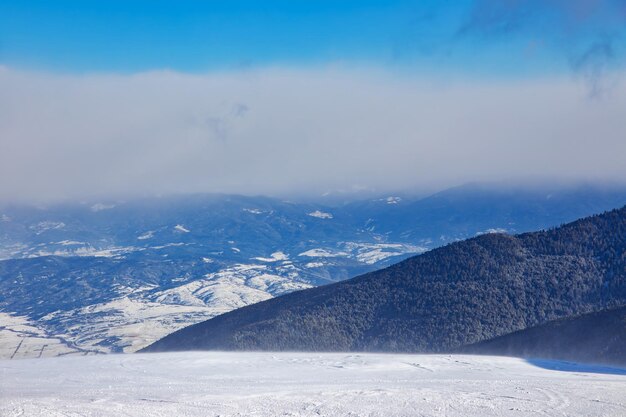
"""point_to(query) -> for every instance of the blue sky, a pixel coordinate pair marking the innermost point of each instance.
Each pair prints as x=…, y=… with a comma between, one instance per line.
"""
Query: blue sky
x=194, y=35
x=512, y=37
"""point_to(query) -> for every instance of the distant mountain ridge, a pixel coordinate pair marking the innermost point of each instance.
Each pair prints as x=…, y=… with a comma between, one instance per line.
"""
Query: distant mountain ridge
x=439, y=301
x=113, y=276
x=598, y=337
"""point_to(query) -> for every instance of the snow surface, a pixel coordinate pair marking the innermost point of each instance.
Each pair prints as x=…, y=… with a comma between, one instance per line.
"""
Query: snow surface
x=367, y=253
x=148, y=235
x=371, y=253
x=135, y=317
x=253, y=211
x=322, y=253
x=306, y=384
x=320, y=214
x=20, y=338
x=274, y=257
x=41, y=227
x=181, y=228
x=393, y=200
x=83, y=251
x=492, y=230
x=142, y=316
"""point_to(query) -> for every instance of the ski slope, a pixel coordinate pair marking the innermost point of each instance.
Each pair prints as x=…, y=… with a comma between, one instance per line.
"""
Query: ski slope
x=306, y=384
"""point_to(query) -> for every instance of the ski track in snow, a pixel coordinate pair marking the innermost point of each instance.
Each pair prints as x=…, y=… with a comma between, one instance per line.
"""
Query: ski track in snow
x=304, y=384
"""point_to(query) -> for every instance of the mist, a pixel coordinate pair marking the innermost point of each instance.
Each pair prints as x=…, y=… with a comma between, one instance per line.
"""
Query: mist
x=281, y=131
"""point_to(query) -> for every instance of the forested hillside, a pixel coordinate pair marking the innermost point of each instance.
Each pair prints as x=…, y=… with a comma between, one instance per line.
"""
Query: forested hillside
x=456, y=295
x=594, y=337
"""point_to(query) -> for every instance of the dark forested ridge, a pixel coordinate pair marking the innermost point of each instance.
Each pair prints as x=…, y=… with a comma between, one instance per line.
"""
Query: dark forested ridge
x=594, y=337
x=453, y=296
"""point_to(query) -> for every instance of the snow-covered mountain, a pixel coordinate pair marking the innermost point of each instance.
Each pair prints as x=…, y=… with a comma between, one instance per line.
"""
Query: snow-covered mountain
x=114, y=276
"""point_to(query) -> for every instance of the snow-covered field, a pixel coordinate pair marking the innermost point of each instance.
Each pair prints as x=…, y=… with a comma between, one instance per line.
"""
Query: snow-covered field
x=140, y=315
x=306, y=384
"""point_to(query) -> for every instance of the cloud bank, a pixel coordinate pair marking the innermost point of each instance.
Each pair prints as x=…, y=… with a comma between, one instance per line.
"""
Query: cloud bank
x=279, y=131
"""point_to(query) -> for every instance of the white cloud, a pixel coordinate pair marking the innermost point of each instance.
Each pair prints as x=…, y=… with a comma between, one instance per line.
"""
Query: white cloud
x=276, y=131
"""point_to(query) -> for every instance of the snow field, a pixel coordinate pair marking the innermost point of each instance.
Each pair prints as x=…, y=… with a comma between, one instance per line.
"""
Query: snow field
x=306, y=384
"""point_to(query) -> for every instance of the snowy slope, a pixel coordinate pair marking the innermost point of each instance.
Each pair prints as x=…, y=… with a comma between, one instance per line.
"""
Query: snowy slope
x=304, y=384
x=20, y=338
x=134, y=321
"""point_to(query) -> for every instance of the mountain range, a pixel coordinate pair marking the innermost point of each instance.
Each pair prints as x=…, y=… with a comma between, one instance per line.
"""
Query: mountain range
x=114, y=276
x=440, y=301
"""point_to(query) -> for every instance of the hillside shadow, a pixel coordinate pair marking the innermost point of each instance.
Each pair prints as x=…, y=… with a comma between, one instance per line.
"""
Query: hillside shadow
x=565, y=366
